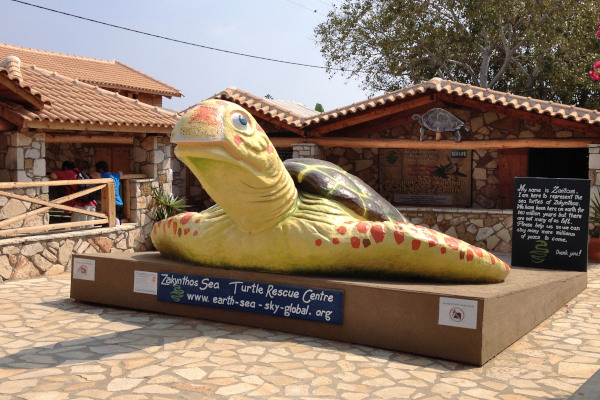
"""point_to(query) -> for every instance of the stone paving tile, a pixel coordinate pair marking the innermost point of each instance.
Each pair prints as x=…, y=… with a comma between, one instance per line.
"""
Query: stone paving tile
x=54, y=348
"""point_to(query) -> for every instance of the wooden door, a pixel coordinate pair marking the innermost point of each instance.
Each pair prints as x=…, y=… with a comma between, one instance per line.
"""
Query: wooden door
x=511, y=163
x=117, y=157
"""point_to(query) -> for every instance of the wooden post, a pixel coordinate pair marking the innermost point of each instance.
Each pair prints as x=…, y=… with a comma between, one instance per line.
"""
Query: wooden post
x=108, y=203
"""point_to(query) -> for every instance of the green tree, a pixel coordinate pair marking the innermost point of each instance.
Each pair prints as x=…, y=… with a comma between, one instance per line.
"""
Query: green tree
x=537, y=48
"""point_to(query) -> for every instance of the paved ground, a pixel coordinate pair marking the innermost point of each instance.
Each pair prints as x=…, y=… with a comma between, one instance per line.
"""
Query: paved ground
x=54, y=348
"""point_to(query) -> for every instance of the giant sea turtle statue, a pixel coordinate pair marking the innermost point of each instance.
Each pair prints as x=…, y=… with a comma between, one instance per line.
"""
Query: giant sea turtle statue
x=314, y=219
x=440, y=120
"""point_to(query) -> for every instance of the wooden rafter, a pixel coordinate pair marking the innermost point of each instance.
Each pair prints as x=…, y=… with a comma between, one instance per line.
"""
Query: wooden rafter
x=368, y=115
x=63, y=138
x=450, y=144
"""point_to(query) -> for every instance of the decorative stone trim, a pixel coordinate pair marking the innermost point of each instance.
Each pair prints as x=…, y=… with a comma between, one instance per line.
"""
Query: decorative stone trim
x=488, y=229
x=33, y=256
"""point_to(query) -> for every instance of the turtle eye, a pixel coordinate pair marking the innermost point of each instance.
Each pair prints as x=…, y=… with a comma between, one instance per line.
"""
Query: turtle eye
x=240, y=122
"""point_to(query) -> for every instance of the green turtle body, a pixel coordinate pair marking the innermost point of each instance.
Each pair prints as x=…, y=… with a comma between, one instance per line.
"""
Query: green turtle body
x=328, y=180
x=314, y=219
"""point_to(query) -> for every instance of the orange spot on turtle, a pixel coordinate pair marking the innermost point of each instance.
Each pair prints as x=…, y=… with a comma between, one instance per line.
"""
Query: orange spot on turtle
x=363, y=227
x=174, y=227
x=164, y=227
x=186, y=218
x=270, y=149
x=443, y=250
x=462, y=255
x=506, y=266
x=186, y=231
x=477, y=250
x=378, y=233
x=342, y=230
x=206, y=113
x=238, y=140
x=493, y=258
x=399, y=236
x=198, y=220
x=433, y=241
x=366, y=243
x=195, y=233
x=155, y=229
x=318, y=242
x=179, y=232
x=336, y=241
x=416, y=244
x=451, y=242
x=169, y=222
x=355, y=242
x=470, y=255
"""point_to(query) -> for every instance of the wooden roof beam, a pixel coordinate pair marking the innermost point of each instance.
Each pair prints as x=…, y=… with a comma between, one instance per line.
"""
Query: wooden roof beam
x=72, y=126
x=101, y=139
x=369, y=115
x=450, y=144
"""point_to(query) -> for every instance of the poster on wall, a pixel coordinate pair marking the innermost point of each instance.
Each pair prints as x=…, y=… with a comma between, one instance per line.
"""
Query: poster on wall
x=426, y=177
x=550, y=223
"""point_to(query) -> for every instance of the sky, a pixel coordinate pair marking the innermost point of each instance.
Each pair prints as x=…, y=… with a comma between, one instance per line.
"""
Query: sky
x=275, y=29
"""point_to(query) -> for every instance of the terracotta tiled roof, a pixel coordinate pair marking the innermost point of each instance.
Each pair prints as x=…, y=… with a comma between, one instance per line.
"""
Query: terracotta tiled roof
x=72, y=104
x=438, y=85
x=108, y=74
x=279, y=111
x=10, y=68
x=262, y=105
x=294, y=107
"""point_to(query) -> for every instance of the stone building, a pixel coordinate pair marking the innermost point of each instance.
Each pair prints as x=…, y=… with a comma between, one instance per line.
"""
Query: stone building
x=56, y=107
x=463, y=188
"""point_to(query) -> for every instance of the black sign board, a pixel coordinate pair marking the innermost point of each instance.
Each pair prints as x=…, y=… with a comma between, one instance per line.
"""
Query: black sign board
x=322, y=305
x=550, y=223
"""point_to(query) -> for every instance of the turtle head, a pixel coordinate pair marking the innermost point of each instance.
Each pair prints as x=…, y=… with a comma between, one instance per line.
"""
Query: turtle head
x=231, y=155
x=224, y=131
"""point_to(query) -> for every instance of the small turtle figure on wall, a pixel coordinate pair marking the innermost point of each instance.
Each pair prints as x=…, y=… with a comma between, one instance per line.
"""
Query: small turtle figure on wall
x=440, y=120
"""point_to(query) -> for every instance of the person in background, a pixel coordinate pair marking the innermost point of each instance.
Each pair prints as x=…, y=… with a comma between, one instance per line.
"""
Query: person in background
x=102, y=172
x=69, y=172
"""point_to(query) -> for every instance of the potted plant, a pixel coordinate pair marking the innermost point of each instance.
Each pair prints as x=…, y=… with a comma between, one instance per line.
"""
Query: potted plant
x=165, y=204
x=594, y=245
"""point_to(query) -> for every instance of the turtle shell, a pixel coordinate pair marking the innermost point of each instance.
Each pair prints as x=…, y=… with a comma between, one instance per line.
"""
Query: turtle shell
x=440, y=120
x=328, y=180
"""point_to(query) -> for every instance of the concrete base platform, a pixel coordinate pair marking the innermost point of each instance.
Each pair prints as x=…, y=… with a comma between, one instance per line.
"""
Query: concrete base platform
x=464, y=323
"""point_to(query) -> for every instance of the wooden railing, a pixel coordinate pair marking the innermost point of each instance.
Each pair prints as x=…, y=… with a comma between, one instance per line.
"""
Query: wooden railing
x=105, y=186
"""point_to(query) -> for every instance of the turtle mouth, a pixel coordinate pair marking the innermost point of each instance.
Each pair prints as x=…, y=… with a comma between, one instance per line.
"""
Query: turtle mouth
x=217, y=151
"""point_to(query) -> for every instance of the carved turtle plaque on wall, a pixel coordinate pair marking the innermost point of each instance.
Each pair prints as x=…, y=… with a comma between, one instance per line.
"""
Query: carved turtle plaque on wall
x=440, y=120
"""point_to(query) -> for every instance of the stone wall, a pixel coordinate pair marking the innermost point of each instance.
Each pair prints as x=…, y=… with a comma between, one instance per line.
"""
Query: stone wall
x=141, y=209
x=482, y=125
x=151, y=155
x=33, y=256
x=22, y=159
x=488, y=229
x=80, y=154
x=363, y=163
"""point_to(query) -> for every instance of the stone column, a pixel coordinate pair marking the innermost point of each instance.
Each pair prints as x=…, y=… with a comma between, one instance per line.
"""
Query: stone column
x=152, y=157
x=25, y=161
x=306, y=150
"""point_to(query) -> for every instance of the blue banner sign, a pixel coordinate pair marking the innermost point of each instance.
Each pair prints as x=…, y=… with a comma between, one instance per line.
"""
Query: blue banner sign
x=321, y=305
